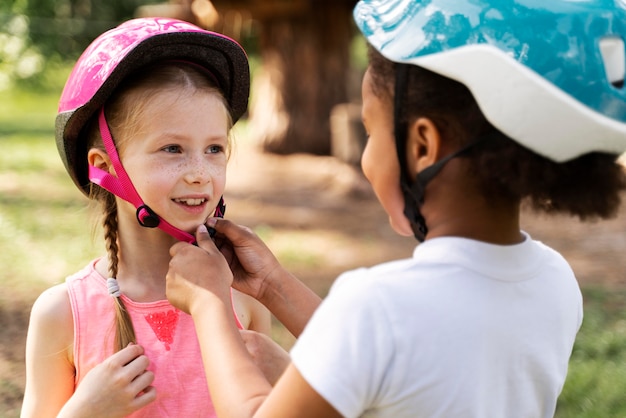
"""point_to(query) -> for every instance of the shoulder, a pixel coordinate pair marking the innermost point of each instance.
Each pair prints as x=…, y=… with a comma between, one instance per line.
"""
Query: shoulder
x=53, y=304
x=361, y=302
x=51, y=328
x=49, y=354
x=348, y=347
x=251, y=313
x=52, y=311
x=375, y=282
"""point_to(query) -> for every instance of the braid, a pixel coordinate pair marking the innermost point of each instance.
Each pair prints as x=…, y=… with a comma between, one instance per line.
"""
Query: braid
x=110, y=232
x=125, y=332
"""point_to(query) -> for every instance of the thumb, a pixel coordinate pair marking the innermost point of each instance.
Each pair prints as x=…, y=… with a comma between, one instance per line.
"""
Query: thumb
x=204, y=238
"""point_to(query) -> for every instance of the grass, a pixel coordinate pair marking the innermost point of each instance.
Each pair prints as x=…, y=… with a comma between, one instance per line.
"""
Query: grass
x=40, y=210
x=46, y=233
x=28, y=112
x=596, y=382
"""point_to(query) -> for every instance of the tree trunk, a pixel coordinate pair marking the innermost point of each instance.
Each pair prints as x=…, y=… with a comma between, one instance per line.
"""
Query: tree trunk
x=305, y=63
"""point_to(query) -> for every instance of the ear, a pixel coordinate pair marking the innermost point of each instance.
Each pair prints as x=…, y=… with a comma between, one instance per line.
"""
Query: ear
x=423, y=145
x=100, y=159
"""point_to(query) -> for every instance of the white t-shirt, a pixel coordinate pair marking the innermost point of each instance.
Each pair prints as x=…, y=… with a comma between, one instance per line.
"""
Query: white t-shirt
x=462, y=329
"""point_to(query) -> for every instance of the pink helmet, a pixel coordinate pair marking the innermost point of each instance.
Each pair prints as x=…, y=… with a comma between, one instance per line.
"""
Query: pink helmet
x=123, y=50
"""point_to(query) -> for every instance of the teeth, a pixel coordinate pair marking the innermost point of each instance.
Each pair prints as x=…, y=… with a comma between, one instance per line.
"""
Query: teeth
x=190, y=202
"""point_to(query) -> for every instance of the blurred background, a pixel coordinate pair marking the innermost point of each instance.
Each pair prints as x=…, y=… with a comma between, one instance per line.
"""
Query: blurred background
x=294, y=176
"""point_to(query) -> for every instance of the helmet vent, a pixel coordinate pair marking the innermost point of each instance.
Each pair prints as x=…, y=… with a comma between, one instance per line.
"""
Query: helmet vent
x=612, y=51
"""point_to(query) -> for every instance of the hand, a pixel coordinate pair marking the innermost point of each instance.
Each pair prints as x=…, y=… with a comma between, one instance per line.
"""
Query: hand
x=117, y=387
x=259, y=274
x=195, y=270
x=251, y=262
x=267, y=355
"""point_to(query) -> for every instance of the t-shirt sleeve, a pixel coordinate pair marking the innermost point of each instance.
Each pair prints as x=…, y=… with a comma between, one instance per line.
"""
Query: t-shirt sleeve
x=346, y=348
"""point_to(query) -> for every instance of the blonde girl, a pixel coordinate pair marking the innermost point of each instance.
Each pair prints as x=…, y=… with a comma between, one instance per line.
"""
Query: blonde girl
x=143, y=129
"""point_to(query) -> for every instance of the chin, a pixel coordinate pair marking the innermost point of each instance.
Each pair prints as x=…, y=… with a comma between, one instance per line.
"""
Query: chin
x=189, y=228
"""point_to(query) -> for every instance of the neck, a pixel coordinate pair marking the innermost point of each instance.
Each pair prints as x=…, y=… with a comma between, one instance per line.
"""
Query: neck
x=459, y=209
x=143, y=260
x=500, y=226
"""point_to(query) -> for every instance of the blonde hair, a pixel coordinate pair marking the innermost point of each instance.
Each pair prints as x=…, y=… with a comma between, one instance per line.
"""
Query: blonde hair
x=124, y=111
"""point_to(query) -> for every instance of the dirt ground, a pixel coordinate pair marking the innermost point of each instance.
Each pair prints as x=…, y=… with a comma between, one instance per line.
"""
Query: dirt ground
x=330, y=210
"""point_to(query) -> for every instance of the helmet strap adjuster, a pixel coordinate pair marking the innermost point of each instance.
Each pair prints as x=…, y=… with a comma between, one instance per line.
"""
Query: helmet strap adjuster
x=147, y=218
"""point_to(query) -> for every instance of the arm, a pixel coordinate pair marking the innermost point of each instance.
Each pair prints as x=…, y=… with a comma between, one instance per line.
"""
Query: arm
x=198, y=282
x=49, y=364
x=291, y=302
x=115, y=388
x=268, y=356
x=258, y=273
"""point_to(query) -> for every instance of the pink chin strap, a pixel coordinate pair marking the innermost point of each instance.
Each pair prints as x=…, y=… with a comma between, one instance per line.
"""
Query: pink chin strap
x=122, y=187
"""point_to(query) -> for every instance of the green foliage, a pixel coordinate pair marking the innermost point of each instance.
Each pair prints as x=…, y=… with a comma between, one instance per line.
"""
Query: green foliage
x=28, y=111
x=358, y=52
x=66, y=27
x=37, y=35
x=40, y=209
x=291, y=247
x=596, y=382
x=50, y=80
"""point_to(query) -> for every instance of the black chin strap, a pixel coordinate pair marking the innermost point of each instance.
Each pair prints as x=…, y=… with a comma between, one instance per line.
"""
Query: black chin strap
x=414, y=190
x=411, y=200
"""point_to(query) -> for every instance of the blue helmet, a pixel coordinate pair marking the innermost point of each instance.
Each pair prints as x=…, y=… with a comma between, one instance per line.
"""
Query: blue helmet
x=547, y=73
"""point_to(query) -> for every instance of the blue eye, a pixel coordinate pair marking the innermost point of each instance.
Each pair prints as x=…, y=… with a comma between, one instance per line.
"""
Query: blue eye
x=172, y=149
x=215, y=149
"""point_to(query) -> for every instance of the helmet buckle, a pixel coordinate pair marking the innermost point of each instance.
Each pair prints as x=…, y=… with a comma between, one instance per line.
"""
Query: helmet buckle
x=147, y=218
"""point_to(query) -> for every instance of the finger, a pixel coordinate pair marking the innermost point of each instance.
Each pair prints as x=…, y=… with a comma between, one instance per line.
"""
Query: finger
x=126, y=355
x=144, y=397
x=245, y=334
x=204, y=238
x=233, y=232
x=250, y=341
x=142, y=382
x=136, y=367
x=175, y=249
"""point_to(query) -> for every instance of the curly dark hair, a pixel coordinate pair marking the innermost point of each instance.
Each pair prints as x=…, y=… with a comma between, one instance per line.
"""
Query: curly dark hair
x=589, y=186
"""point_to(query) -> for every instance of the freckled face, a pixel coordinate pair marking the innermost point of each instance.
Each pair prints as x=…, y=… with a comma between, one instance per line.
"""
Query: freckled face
x=379, y=161
x=177, y=160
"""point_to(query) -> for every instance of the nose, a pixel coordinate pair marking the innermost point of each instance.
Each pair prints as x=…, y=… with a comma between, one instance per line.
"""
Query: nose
x=197, y=170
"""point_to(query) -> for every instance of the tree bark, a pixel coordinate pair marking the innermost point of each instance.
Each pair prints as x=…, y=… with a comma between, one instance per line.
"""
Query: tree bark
x=305, y=65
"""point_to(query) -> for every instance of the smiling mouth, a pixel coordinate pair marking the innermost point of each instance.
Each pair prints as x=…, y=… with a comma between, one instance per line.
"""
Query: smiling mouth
x=190, y=202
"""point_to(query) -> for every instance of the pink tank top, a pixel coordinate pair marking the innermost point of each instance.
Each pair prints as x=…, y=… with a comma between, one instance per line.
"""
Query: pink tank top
x=167, y=335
